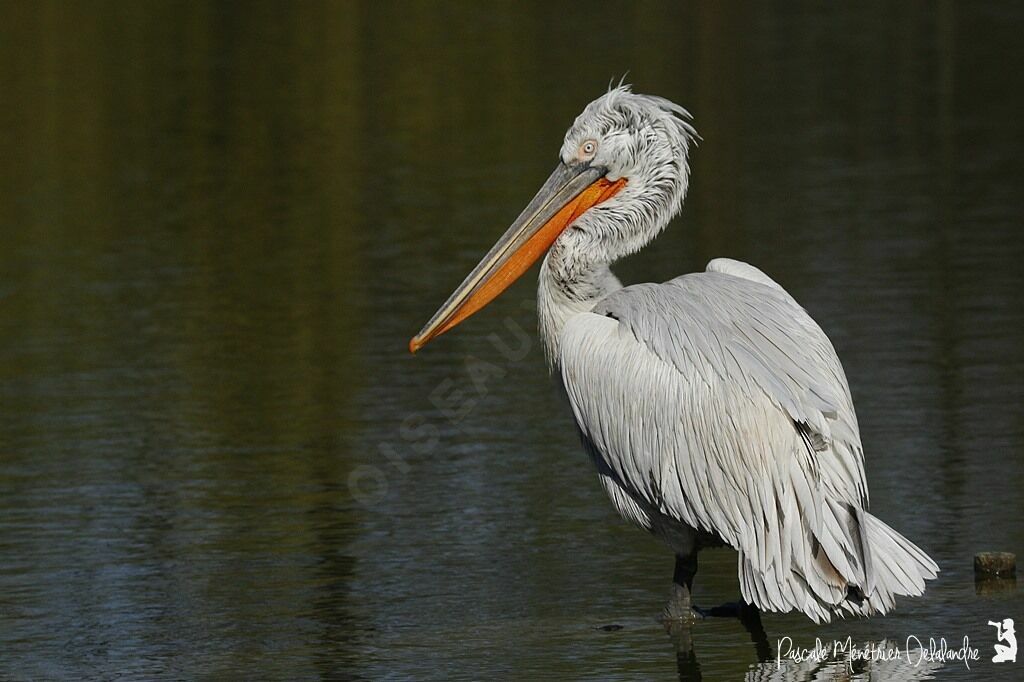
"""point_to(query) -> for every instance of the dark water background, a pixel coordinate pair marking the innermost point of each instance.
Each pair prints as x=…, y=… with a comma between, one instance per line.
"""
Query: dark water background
x=221, y=223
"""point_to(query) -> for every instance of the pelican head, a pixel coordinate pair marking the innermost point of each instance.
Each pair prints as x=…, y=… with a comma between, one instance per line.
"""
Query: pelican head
x=622, y=175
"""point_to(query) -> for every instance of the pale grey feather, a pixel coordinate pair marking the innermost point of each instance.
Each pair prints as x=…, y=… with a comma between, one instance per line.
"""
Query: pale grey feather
x=714, y=401
x=714, y=407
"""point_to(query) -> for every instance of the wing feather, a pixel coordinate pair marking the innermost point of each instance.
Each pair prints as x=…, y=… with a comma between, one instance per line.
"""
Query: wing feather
x=715, y=400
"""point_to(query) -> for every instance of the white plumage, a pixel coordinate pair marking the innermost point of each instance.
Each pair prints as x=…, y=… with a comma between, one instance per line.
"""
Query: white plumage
x=714, y=407
x=715, y=403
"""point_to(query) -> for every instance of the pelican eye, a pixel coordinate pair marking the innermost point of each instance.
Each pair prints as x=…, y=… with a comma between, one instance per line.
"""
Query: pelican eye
x=588, y=149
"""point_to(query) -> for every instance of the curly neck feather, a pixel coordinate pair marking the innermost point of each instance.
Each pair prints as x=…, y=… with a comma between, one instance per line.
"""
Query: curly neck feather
x=566, y=288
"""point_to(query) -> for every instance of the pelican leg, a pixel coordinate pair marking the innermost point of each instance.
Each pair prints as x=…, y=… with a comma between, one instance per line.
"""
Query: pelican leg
x=680, y=603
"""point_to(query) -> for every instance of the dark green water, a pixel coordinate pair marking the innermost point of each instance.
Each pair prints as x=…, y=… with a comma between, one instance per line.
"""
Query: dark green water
x=221, y=224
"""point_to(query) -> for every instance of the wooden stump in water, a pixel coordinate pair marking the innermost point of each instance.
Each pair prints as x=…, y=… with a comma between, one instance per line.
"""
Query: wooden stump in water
x=994, y=572
x=995, y=565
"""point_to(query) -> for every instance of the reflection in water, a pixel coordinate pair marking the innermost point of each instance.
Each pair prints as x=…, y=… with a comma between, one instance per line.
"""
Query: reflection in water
x=995, y=586
x=220, y=228
x=894, y=664
x=881, y=661
x=686, y=658
x=175, y=375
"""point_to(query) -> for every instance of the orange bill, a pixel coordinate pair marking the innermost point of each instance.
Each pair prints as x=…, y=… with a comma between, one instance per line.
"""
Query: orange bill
x=567, y=194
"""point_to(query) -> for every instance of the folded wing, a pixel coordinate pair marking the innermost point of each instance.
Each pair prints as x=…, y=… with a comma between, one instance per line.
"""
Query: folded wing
x=716, y=400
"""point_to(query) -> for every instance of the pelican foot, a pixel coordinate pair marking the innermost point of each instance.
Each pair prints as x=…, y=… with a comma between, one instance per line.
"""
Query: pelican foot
x=680, y=608
x=674, y=615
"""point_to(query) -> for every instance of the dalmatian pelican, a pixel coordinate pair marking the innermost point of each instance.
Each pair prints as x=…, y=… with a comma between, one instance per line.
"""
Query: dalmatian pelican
x=714, y=408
